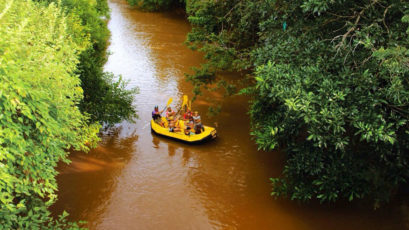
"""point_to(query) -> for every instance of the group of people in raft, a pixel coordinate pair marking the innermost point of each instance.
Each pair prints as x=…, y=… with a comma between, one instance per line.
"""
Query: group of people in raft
x=190, y=123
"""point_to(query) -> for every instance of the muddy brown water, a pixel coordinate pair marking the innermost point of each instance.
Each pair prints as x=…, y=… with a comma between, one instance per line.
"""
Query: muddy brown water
x=136, y=180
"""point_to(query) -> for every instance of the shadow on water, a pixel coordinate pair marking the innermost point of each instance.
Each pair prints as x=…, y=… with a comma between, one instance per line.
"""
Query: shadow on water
x=85, y=184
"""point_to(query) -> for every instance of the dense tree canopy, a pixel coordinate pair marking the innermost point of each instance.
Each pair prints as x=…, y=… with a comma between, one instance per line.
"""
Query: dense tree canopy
x=39, y=115
x=330, y=87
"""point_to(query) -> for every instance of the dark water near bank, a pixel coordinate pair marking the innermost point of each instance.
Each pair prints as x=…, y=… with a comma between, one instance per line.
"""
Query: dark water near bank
x=135, y=180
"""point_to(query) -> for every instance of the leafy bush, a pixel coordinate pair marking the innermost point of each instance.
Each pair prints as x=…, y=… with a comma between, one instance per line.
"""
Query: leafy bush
x=39, y=115
x=107, y=100
x=114, y=102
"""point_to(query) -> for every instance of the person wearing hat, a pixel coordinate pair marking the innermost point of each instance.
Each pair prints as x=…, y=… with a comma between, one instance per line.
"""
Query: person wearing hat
x=156, y=115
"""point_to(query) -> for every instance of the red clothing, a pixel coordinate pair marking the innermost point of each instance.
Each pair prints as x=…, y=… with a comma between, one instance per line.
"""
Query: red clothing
x=187, y=116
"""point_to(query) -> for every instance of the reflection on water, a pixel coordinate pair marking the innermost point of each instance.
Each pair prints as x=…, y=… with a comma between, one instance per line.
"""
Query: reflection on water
x=135, y=180
x=155, y=142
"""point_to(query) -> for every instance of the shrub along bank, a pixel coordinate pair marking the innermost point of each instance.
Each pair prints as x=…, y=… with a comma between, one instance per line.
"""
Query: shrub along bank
x=106, y=97
x=51, y=59
x=154, y=5
x=39, y=114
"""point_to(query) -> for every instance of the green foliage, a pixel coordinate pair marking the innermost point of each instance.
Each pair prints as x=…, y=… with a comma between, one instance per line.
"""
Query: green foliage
x=334, y=86
x=331, y=88
x=39, y=115
x=227, y=32
x=155, y=5
x=115, y=101
x=106, y=100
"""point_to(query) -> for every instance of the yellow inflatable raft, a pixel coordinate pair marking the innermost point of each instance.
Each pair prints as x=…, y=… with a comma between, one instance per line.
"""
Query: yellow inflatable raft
x=208, y=133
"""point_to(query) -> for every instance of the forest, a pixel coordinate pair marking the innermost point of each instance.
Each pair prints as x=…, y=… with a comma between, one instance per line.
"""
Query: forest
x=329, y=86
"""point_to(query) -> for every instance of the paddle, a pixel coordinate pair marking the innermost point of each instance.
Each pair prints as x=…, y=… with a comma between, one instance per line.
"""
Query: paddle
x=167, y=105
x=185, y=101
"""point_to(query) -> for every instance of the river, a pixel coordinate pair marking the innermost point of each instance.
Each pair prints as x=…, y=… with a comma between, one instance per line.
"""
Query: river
x=136, y=180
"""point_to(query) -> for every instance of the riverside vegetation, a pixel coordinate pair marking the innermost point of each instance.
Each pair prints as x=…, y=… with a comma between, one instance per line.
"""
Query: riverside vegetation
x=329, y=86
x=54, y=96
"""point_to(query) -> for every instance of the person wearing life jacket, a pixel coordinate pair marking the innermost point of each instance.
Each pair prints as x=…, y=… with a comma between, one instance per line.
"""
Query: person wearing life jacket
x=174, y=126
x=156, y=115
x=198, y=127
x=170, y=114
x=187, y=115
